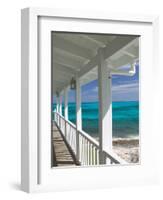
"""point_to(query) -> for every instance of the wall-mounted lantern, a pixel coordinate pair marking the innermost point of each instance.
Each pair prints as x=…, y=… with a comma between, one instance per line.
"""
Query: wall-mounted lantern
x=73, y=84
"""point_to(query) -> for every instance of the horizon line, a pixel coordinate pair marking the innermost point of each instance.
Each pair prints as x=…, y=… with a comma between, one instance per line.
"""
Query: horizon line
x=98, y=101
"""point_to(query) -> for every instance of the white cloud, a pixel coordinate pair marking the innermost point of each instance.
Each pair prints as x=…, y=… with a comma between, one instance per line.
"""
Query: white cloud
x=95, y=89
x=117, y=88
x=130, y=90
x=126, y=87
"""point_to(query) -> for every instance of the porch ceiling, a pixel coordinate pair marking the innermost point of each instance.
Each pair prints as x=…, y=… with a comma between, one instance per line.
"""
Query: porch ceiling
x=75, y=53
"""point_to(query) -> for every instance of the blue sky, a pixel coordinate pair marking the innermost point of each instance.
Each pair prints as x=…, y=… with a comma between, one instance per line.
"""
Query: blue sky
x=124, y=88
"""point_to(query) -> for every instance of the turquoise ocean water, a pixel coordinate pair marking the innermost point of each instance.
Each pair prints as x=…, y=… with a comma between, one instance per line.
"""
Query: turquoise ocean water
x=125, y=117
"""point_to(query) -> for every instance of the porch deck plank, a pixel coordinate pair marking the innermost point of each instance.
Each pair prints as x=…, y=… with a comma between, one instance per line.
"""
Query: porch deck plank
x=61, y=153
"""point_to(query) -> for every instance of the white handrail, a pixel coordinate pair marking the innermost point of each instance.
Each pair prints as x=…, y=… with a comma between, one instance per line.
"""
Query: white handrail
x=73, y=125
x=114, y=157
x=88, y=147
x=89, y=138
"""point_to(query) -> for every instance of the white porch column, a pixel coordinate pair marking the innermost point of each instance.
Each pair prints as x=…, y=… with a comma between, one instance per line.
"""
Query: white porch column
x=105, y=107
x=66, y=109
x=60, y=104
x=78, y=115
x=66, y=103
x=57, y=104
x=57, y=108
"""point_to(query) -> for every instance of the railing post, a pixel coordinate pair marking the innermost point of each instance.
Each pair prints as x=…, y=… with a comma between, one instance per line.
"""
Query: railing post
x=105, y=107
x=78, y=115
x=65, y=129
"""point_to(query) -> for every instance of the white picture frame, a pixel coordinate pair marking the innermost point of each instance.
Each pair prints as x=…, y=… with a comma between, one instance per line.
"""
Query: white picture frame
x=36, y=174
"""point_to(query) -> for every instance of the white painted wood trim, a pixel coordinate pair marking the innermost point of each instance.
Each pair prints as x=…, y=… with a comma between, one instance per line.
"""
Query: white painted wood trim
x=78, y=104
x=29, y=98
x=66, y=103
x=57, y=104
x=105, y=106
x=60, y=104
x=78, y=114
x=130, y=72
x=97, y=15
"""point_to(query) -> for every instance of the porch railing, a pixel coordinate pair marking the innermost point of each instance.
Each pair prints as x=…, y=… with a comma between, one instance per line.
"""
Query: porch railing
x=88, y=147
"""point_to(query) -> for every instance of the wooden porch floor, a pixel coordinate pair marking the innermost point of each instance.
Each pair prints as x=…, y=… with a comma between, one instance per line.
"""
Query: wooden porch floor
x=62, y=153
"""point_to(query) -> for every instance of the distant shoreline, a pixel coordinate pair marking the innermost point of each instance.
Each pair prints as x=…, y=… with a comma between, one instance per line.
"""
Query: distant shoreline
x=121, y=139
x=126, y=142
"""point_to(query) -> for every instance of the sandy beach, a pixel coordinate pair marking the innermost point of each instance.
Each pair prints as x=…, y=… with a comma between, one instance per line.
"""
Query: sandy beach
x=128, y=149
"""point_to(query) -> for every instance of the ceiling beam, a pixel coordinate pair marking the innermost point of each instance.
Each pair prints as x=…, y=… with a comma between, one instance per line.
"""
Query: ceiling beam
x=132, y=52
x=61, y=87
x=71, y=48
x=67, y=69
x=62, y=74
x=99, y=38
x=92, y=39
x=89, y=66
x=58, y=81
x=68, y=62
x=57, y=86
x=116, y=45
x=61, y=79
x=128, y=54
x=123, y=61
